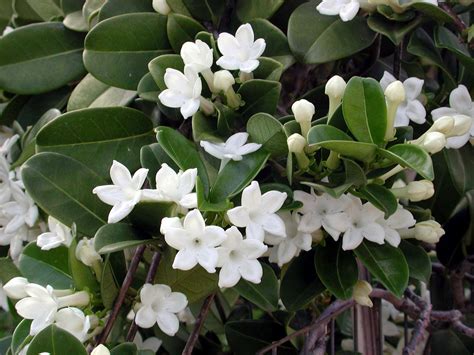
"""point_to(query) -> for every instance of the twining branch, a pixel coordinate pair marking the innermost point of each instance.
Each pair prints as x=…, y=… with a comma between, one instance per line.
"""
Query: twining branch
x=458, y=22
x=421, y=324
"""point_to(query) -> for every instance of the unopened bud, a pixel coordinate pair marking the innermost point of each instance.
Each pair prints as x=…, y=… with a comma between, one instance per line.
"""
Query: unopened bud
x=85, y=252
x=361, y=292
x=296, y=143
x=334, y=89
x=462, y=125
x=100, y=350
x=15, y=288
x=434, y=142
x=304, y=112
x=415, y=191
x=161, y=6
x=443, y=125
x=429, y=231
x=223, y=80
x=395, y=95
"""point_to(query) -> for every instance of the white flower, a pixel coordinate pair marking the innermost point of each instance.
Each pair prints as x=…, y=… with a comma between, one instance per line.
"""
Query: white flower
x=15, y=288
x=5, y=180
x=15, y=239
x=58, y=234
x=161, y=6
x=257, y=212
x=100, y=350
x=160, y=305
x=85, y=252
x=346, y=9
x=287, y=248
x=183, y=91
x=240, y=52
x=232, y=149
x=151, y=343
x=74, y=321
x=21, y=211
x=361, y=292
x=125, y=192
x=3, y=298
x=460, y=103
x=186, y=316
x=359, y=222
x=198, y=55
x=411, y=108
x=238, y=259
x=223, y=80
x=174, y=187
x=401, y=219
x=195, y=241
x=318, y=211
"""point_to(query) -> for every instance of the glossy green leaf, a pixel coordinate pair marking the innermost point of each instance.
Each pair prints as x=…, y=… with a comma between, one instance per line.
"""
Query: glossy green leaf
x=147, y=216
x=97, y=136
x=433, y=11
x=118, y=50
x=81, y=274
x=181, y=29
x=206, y=10
x=203, y=128
x=269, y=69
x=196, y=283
x=147, y=89
x=264, y=294
x=62, y=187
x=460, y=163
x=247, y=10
x=393, y=30
x=159, y=65
x=316, y=38
x=237, y=175
x=22, y=331
x=90, y=93
x=55, y=341
x=23, y=14
x=410, y=156
x=268, y=131
x=444, y=38
x=46, y=9
x=117, y=236
x=125, y=349
x=259, y=96
x=113, y=8
x=40, y=58
x=6, y=11
x=300, y=283
x=380, y=197
x=386, y=263
x=365, y=110
x=182, y=152
x=336, y=268
x=322, y=133
x=419, y=263
x=113, y=273
x=8, y=270
x=205, y=205
x=46, y=267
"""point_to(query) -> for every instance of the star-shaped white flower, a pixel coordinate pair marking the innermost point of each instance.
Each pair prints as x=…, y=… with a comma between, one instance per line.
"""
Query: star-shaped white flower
x=460, y=103
x=346, y=9
x=125, y=192
x=198, y=55
x=238, y=259
x=257, y=213
x=358, y=222
x=183, y=90
x=5, y=180
x=318, y=210
x=20, y=211
x=240, y=52
x=160, y=305
x=411, y=109
x=232, y=149
x=287, y=248
x=174, y=187
x=58, y=234
x=401, y=219
x=195, y=241
x=74, y=321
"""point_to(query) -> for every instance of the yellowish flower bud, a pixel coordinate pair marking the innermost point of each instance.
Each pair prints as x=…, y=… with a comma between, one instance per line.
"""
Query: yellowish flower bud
x=462, y=125
x=100, y=350
x=161, y=6
x=361, y=292
x=395, y=95
x=434, y=142
x=429, y=231
x=304, y=112
x=223, y=80
x=334, y=89
x=296, y=143
x=415, y=191
x=443, y=125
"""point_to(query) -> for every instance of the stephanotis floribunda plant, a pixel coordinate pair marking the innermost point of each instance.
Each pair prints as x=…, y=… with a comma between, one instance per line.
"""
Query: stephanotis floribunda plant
x=236, y=176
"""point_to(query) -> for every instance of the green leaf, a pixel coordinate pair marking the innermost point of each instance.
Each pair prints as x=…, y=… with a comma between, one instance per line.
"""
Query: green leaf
x=8, y=270
x=113, y=274
x=55, y=341
x=269, y=69
x=336, y=268
x=237, y=175
x=62, y=187
x=393, y=30
x=444, y=38
x=460, y=163
x=90, y=93
x=365, y=110
x=206, y=10
x=323, y=132
x=46, y=9
x=148, y=215
x=41, y=57
x=23, y=14
x=203, y=128
x=113, y=8
x=46, y=267
x=97, y=136
x=386, y=263
x=380, y=197
x=118, y=50
x=247, y=10
x=205, y=205
x=81, y=274
x=22, y=331
x=116, y=237
x=264, y=294
x=433, y=11
x=181, y=29
x=147, y=89
x=159, y=65
x=182, y=152
x=410, y=156
x=196, y=283
x=124, y=349
x=316, y=38
x=6, y=11
x=419, y=263
x=300, y=283
x=268, y=131
x=259, y=96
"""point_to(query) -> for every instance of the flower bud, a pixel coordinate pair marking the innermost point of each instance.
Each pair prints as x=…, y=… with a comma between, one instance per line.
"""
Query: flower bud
x=443, y=125
x=296, y=143
x=161, y=6
x=15, y=288
x=361, y=292
x=433, y=142
x=462, y=125
x=420, y=190
x=85, y=252
x=304, y=112
x=395, y=92
x=335, y=88
x=223, y=80
x=100, y=350
x=429, y=231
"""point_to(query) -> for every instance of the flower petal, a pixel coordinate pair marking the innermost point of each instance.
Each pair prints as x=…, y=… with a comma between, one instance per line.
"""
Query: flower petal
x=416, y=112
x=386, y=80
x=413, y=87
x=273, y=200
x=352, y=239
x=251, y=271
x=229, y=275
x=244, y=35
x=120, y=175
x=207, y=258
x=249, y=65
x=120, y=211
x=252, y=197
x=189, y=108
x=227, y=45
x=194, y=223
x=460, y=100
x=139, y=178
x=349, y=11
x=145, y=317
x=255, y=231
x=373, y=232
x=239, y=216
x=213, y=236
x=187, y=181
x=175, y=80
x=273, y=224
x=172, y=98
x=168, y=322
x=185, y=259
x=175, y=302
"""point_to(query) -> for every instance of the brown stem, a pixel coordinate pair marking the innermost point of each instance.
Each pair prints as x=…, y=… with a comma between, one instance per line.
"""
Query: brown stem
x=421, y=324
x=460, y=25
x=220, y=309
x=122, y=293
x=193, y=337
x=155, y=261
x=397, y=60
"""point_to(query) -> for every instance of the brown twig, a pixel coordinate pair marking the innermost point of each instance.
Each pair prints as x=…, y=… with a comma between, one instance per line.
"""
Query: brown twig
x=193, y=337
x=122, y=293
x=397, y=60
x=421, y=324
x=155, y=261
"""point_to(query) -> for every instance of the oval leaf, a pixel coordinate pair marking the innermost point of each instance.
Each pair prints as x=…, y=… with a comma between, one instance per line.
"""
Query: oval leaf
x=268, y=131
x=380, y=197
x=117, y=236
x=410, y=156
x=55, y=341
